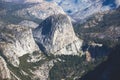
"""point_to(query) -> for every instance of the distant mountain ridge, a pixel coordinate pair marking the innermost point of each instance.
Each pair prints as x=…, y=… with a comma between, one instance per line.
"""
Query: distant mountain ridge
x=78, y=9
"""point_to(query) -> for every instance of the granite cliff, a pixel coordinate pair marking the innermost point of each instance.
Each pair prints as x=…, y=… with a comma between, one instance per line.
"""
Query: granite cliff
x=16, y=41
x=56, y=35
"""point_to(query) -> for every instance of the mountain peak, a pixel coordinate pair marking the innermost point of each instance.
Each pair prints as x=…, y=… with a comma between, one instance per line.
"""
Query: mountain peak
x=55, y=33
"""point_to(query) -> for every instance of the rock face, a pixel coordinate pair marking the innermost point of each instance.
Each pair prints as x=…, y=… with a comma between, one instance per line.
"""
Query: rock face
x=40, y=10
x=4, y=71
x=56, y=35
x=29, y=24
x=16, y=41
x=88, y=56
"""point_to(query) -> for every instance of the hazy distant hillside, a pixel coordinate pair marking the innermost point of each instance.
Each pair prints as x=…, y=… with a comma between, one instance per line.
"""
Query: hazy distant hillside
x=80, y=9
x=100, y=27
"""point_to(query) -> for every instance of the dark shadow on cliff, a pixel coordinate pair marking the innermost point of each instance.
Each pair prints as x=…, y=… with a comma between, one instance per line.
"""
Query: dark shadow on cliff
x=108, y=70
x=42, y=48
x=97, y=51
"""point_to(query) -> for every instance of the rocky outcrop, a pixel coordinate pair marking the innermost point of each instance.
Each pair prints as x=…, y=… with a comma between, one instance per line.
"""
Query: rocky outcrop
x=88, y=56
x=40, y=10
x=15, y=41
x=42, y=72
x=29, y=24
x=56, y=35
x=73, y=48
x=4, y=71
